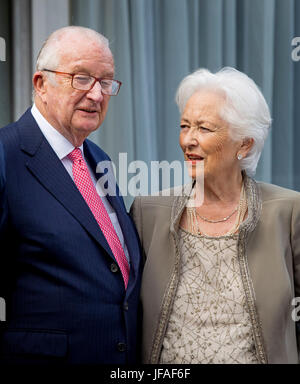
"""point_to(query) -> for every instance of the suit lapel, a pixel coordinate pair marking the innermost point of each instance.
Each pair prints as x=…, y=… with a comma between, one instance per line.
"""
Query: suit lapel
x=128, y=229
x=44, y=164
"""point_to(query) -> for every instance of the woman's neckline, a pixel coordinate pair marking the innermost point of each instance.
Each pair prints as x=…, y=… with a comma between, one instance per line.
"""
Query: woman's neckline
x=200, y=235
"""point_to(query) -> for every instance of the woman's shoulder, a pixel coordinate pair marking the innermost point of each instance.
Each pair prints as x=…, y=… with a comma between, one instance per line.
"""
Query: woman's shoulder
x=166, y=197
x=154, y=200
x=150, y=211
x=271, y=192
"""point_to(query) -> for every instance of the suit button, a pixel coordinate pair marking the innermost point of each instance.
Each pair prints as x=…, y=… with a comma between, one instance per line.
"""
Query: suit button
x=121, y=347
x=114, y=268
x=125, y=306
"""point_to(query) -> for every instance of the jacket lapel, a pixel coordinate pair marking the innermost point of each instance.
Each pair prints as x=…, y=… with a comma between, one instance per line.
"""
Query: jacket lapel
x=126, y=224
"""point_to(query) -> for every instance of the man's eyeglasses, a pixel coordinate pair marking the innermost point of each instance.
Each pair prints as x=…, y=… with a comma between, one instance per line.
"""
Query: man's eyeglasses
x=86, y=82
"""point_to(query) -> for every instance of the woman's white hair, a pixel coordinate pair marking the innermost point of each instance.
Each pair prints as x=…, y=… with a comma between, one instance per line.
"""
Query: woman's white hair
x=245, y=108
x=53, y=47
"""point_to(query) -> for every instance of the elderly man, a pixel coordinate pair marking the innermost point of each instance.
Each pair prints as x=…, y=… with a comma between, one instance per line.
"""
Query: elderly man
x=70, y=272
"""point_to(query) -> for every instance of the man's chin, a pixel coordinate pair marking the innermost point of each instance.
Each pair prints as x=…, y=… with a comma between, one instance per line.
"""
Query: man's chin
x=87, y=125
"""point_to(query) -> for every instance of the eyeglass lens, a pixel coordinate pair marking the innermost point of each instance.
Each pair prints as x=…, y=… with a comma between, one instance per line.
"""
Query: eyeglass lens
x=85, y=83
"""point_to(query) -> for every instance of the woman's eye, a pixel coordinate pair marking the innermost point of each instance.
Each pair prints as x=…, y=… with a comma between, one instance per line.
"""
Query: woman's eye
x=204, y=128
x=182, y=126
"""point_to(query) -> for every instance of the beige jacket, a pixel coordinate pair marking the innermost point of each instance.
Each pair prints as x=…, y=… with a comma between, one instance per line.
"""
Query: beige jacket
x=269, y=257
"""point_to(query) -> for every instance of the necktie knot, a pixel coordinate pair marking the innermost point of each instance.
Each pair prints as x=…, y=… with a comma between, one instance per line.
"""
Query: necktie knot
x=76, y=156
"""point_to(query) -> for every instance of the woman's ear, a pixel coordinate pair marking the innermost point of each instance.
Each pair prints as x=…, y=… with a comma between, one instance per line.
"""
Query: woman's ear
x=246, y=146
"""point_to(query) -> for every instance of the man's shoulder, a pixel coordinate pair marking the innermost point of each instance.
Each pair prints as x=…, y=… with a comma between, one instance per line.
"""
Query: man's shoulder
x=9, y=139
x=96, y=151
x=10, y=133
x=2, y=164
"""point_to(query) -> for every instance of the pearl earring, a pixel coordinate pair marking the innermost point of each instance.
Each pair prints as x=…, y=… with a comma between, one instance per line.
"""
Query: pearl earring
x=239, y=156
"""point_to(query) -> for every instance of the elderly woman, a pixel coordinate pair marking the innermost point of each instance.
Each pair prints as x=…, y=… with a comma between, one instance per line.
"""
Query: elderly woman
x=222, y=259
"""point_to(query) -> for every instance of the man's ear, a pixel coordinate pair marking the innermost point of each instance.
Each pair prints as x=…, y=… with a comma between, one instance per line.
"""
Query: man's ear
x=40, y=84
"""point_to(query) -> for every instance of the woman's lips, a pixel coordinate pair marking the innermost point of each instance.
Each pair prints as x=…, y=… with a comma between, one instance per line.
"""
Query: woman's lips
x=193, y=159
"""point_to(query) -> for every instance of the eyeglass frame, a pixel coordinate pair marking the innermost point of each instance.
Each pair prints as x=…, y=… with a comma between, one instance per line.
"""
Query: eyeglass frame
x=85, y=90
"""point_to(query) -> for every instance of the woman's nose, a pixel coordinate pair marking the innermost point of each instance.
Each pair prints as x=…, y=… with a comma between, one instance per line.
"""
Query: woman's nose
x=191, y=138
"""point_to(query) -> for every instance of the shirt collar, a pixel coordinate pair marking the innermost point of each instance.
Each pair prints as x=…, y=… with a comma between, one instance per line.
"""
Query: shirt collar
x=61, y=146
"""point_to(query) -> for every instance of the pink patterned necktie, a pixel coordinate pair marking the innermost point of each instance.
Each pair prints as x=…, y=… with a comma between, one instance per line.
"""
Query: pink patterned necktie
x=88, y=191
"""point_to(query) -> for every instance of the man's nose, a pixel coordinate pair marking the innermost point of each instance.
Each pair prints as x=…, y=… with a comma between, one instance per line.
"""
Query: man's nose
x=96, y=92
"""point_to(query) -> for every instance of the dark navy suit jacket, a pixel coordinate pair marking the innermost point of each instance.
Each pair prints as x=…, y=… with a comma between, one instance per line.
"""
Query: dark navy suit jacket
x=65, y=296
x=3, y=201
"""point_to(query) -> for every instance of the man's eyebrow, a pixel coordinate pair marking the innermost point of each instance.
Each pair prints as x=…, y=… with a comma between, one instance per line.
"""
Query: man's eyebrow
x=108, y=75
x=79, y=69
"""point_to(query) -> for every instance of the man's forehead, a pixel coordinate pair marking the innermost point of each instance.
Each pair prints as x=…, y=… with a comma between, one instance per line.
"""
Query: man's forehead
x=81, y=50
x=87, y=60
x=79, y=39
x=78, y=46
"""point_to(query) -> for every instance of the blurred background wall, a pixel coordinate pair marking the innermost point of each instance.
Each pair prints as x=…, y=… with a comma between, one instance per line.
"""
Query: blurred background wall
x=156, y=43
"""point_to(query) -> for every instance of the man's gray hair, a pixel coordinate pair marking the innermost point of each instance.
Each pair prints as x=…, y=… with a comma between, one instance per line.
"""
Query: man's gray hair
x=52, y=49
x=49, y=55
x=245, y=108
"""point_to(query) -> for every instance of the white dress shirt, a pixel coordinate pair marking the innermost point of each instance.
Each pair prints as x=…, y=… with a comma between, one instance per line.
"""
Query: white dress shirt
x=62, y=147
